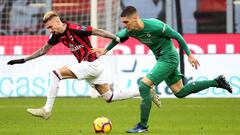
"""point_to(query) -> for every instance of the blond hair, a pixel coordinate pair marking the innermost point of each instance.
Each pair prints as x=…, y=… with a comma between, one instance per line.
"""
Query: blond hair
x=49, y=15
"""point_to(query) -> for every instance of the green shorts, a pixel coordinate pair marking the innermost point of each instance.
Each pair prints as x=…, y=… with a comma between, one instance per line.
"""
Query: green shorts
x=165, y=71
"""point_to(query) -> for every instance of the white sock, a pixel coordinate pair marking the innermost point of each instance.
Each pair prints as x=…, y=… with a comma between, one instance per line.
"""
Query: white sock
x=52, y=92
x=110, y=96
x=121, y=95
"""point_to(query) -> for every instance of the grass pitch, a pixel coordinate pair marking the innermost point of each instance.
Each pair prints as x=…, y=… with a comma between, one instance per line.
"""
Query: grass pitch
x=74, y=116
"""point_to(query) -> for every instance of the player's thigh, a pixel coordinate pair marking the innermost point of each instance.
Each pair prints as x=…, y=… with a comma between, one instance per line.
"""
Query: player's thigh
x=174, y=81
x=86, y=69
x=161, y=71
x=66, y=73
x=100, y=82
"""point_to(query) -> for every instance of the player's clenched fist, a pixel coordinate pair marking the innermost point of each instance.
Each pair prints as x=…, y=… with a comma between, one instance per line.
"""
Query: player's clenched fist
x=17, y=61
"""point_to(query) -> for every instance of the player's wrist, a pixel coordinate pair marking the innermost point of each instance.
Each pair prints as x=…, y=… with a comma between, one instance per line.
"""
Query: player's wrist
x=118, y=39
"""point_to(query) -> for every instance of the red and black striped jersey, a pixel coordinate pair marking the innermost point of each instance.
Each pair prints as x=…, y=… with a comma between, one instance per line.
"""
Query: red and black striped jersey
x=75, y=37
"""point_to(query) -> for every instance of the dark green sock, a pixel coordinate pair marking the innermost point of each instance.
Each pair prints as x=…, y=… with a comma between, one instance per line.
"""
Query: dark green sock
x=146, y=103
x=195, y=87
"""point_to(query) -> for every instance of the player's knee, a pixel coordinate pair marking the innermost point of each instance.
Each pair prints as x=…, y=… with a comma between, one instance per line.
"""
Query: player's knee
x=143, y=86
x=144, y=89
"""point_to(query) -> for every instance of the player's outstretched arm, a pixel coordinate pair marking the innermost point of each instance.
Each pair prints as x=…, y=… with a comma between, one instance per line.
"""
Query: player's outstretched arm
x=170, y=33
x=105, y=34
x=36, y=54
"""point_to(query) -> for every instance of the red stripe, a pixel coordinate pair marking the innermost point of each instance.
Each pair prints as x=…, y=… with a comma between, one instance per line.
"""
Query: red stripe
x=82, y=52
x=78, y=54
x=91, y=57
x=85, y=42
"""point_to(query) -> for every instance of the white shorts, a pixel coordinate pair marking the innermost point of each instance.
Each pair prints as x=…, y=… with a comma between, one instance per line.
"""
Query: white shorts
x=92, y=72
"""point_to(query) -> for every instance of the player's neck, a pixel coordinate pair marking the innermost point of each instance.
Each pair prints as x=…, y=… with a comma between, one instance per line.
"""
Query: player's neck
x=64, y=27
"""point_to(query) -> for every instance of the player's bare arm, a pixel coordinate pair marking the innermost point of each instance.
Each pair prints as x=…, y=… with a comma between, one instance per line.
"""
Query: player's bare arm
x=105, y=34
x=36, y=54
x=40, y=52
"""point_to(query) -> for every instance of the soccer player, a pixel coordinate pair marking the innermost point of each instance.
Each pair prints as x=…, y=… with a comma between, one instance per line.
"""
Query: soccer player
x=158, y=37
x=89, y=67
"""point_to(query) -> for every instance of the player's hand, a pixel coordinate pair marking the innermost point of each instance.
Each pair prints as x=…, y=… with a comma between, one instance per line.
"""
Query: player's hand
x=99, y=51
x=17, y=61
x=193, y=61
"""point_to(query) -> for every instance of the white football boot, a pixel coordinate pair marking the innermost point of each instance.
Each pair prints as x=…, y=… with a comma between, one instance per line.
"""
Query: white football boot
x=39, y=112
x=155, y=97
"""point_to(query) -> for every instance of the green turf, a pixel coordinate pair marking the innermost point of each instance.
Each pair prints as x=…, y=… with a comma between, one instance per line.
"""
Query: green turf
x=74, y=116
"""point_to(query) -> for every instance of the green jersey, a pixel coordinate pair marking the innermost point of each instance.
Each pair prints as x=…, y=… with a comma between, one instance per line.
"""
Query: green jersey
x=157, y=36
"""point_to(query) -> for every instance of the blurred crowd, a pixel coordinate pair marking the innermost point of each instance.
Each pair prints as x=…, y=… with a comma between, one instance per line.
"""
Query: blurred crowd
x=19, y=17
x=24, y=17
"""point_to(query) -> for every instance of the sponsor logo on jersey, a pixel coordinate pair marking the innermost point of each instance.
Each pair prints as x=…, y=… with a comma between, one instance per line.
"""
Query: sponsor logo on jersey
x=146, y=39
x=74, y=48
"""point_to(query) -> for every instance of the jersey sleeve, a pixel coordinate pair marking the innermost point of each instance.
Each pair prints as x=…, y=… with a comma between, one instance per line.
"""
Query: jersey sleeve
x=121, y=34
x=168, y=32
x=53, y=39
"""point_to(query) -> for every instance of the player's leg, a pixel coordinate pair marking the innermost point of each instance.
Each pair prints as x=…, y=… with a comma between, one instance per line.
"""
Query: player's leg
x=145, y=107
x=101, y=83
x=59, y=74
x=160, y=72
x=110, y=96
x=62, y=73
x=180, y=91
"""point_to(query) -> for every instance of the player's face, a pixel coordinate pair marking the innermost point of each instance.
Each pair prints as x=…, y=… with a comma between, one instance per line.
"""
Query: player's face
x=129, y=22
x=54, y=26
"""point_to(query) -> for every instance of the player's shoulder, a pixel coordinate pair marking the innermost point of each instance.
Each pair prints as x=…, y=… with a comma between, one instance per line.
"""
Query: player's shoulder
x=123, y=32
x=152, y=22
x=74, y=26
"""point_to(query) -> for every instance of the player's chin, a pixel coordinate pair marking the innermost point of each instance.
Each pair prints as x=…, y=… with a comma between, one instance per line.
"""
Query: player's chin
x=54, y=32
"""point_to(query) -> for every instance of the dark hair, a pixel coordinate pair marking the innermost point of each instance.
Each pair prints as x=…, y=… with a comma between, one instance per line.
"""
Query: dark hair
x=129, y=10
